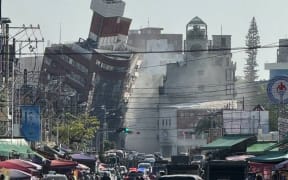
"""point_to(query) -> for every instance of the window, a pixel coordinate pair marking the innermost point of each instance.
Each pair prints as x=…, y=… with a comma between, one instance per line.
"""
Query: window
x=223, y=42
x=48, y=76
x=201, y=87
x=227, y=61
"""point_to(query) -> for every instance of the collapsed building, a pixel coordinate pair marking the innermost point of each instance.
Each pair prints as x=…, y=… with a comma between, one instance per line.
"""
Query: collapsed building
x=93, y=75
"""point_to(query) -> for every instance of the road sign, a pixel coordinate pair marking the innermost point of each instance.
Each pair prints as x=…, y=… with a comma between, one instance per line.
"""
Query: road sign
x=277, y=90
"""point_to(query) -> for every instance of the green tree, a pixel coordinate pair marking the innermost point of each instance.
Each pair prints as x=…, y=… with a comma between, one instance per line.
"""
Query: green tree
x=77, y=131
x=209, y=121
x=252, y=42
x=203, y=125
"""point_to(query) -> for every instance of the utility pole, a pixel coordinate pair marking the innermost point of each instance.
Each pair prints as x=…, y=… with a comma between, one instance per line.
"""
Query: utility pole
x=104, y=129
x=0, y=9
x=7, y=60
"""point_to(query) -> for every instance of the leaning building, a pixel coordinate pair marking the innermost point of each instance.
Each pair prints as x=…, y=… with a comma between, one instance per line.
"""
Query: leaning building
x=93, y=74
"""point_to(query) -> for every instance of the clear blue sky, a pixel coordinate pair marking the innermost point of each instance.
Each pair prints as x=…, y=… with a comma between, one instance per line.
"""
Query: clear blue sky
x=234, y=16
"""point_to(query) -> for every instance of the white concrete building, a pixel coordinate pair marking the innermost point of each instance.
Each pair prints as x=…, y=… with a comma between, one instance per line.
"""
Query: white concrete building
x=178, y=123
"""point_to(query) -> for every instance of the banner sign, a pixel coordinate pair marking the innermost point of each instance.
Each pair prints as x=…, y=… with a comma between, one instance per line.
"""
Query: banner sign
x=30, y=122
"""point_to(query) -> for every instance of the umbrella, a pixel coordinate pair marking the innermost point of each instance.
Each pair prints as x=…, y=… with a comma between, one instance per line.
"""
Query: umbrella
x=63, y=163
x=9, y=165
x=19, y=165
x=35, y=166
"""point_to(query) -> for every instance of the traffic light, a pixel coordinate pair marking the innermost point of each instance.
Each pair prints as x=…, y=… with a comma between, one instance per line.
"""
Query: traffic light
x=124, y=130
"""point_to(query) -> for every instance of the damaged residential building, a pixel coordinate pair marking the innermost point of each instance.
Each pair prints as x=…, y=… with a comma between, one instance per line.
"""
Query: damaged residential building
x=93, y=75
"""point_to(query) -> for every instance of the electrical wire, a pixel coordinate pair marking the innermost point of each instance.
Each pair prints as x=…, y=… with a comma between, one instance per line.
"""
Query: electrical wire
x=167, y=51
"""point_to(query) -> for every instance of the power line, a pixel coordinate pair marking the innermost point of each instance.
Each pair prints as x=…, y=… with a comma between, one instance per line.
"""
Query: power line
x=160, y=52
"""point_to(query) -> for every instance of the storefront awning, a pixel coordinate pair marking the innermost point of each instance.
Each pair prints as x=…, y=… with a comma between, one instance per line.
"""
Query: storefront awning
x=272, y=157
x=9, y=149
x=226, y=142
x=16, y=146
x=259, y=147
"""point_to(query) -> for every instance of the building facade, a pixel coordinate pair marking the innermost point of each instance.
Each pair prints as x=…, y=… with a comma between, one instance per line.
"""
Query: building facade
x=206, y=74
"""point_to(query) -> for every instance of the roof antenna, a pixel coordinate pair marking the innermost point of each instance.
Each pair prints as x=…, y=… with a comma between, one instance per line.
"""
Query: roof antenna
x=60, y=34
x=221, y=29
x=148, y=22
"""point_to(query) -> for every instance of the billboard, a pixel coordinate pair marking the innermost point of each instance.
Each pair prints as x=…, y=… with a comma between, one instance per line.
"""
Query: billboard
x=30, y=122
x=245, y=122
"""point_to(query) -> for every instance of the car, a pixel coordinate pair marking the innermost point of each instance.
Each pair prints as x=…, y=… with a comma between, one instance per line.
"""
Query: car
x=150, y=160
x=198, y=159
x=140, y=156
x=54, y=177
x=149, y=156
x=123, y=169
x=105, y=172
x=145, y=166
x=180, y=177
x=134, y=175
x=158, y=156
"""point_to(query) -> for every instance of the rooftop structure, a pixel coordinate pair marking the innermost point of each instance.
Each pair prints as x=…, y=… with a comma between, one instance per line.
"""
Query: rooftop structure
x=108, y=27
x=280, y=68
